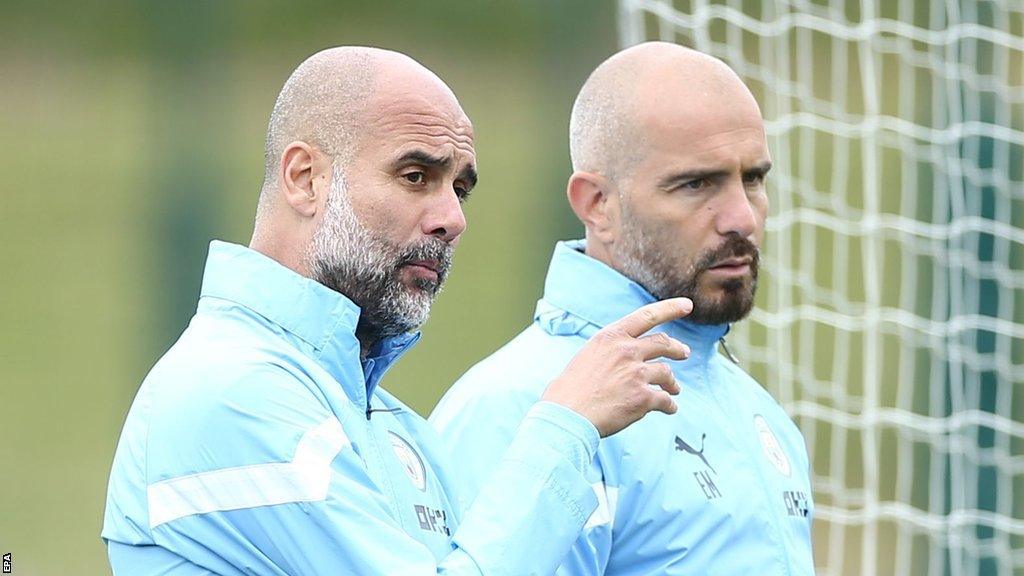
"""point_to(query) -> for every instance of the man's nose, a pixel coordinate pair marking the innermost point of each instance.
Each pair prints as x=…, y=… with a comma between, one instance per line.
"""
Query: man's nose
x=735, y=213
x=445, y=219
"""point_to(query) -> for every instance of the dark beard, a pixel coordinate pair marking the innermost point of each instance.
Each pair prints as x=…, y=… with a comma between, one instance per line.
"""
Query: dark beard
x=738, y=296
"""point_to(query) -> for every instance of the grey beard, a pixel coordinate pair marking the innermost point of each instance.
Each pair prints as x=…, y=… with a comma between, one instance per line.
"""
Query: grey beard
x=348, y=258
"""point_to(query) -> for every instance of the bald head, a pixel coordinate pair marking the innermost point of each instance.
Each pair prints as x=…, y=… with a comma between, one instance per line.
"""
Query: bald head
x=670, y=158
x=634, y=91
x=325, y=101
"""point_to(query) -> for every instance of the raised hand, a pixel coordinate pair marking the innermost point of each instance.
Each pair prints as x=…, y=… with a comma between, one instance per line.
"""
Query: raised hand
x=611, y=380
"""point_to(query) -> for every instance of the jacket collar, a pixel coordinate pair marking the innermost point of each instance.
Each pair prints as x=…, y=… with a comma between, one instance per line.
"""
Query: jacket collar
x=581, y=291
x=317, y=320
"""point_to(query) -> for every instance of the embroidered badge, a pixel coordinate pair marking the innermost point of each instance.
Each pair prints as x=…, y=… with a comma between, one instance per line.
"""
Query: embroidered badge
x=770, y=445
x=410, y=461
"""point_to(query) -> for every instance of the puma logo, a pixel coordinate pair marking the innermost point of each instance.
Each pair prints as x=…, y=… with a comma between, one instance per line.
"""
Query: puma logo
x=682, y=446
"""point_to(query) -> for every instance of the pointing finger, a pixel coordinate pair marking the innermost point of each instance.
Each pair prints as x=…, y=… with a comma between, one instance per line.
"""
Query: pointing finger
x=646, y=317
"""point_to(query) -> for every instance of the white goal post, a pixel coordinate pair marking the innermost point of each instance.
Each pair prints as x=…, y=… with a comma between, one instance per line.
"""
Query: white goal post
x=890, y=317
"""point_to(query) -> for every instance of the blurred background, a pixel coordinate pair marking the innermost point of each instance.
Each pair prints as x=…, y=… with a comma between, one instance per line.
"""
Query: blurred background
x=890, y=318
x=132, y=134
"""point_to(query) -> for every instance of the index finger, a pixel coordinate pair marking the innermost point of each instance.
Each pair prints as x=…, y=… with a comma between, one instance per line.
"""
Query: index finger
x=646, y=317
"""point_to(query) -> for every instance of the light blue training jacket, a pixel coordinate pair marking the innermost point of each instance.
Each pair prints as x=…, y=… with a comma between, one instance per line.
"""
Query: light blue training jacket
x=719, y=488
x=261, y=444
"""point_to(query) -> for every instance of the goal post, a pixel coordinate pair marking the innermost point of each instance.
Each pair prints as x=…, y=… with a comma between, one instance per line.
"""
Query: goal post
x=890, y=316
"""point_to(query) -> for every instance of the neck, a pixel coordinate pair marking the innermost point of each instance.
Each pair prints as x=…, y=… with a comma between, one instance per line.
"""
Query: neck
x=368, y=337
x=273, y=239
x=599, y=251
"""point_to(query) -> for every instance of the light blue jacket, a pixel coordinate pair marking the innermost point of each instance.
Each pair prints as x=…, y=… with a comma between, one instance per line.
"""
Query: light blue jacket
x=720, y=487
x=261, y=444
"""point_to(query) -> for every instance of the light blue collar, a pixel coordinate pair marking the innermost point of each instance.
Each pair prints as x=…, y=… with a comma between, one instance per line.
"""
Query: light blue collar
x=324, y=321
x=579, y=287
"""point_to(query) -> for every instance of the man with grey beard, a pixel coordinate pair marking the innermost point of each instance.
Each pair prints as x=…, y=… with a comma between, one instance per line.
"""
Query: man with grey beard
x=670, y=159
x=352, y=260
x=262, y=443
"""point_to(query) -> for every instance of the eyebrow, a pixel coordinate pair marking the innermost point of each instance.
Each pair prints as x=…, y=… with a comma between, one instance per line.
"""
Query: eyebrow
x=672, y=180
x=421, y=158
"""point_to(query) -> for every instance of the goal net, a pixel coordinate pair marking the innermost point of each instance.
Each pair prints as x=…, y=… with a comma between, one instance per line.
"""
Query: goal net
x=890, y=317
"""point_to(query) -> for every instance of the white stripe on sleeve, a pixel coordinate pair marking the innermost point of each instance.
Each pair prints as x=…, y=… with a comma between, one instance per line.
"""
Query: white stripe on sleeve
x=607, y=500
x=305, y=479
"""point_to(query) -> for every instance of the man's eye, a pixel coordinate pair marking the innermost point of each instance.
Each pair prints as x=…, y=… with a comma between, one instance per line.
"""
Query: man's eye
x=693, y=185
x=753, y=178
x=415, y=177
x=462, y=193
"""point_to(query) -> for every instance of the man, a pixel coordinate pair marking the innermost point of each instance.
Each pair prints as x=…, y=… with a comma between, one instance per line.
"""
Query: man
x=670, y=157
x=261, y=443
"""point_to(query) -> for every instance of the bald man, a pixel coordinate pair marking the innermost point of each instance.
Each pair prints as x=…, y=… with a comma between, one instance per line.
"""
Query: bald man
x=670, y=158
x=262, y=443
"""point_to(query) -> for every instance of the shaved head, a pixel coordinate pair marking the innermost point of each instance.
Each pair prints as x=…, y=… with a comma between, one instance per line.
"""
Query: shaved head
x=625, y=95
x=325, y=102
x=670, y=157
x=320, y=103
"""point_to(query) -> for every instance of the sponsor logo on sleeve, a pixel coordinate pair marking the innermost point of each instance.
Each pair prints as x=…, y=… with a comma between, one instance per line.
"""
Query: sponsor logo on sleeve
x=432, y=520
x=797, y=503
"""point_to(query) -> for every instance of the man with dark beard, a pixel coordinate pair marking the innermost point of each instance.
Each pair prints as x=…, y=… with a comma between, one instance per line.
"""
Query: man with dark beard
x=670, y=157
x=261, y=443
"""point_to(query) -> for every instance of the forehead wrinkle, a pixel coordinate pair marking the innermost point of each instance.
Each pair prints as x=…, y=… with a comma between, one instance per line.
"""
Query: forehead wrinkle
x=430, y=123
x=432, y=139
x=673, y=164
x=427, y=128
x=434, y=145
x=439, y=136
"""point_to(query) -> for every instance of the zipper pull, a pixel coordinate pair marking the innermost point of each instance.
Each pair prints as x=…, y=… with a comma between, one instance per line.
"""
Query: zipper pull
x=728, y=352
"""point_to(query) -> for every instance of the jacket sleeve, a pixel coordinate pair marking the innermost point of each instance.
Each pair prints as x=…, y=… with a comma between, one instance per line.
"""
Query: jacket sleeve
x=477, y=427
x=311, y=507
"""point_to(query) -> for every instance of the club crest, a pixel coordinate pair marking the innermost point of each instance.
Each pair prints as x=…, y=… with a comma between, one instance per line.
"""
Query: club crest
x=410, y=461
x=770, y=445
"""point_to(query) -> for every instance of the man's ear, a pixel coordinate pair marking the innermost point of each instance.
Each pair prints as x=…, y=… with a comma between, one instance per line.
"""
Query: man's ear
x=301, y=166
x=594, y=203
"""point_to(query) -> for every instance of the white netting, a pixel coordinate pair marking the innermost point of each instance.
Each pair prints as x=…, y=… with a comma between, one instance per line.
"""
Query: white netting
x=891, y=307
